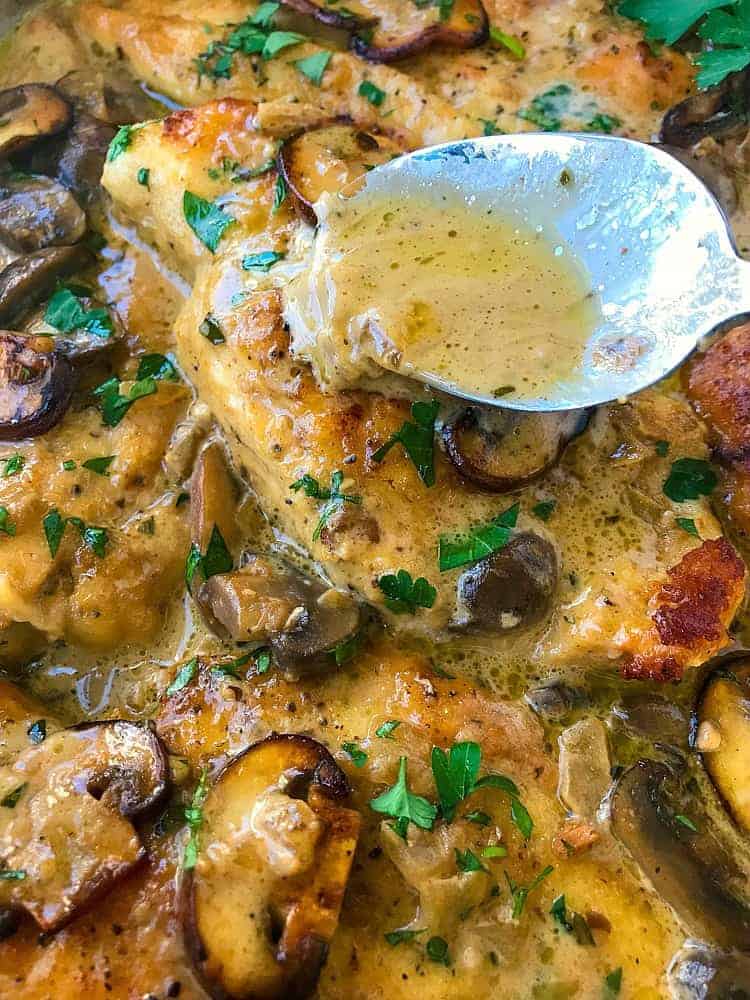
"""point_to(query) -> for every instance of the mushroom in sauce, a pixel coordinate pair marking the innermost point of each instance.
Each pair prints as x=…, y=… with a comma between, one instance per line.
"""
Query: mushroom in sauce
x=30, y=279
x=275, y=832
x=37, y=212
x=36, y=385
x=29, y=113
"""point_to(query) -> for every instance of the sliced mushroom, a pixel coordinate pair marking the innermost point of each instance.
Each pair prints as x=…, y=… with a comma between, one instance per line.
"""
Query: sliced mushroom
x=77, y=158
x=276, y=846
x=723, y=736
x=29, y=113
x=68, y=827
x=501, y=450
x=30, y=279
x=36, y=212
x=326, y=160
x=213, y=498
x=267, y=600
x=719, y=112
x=698, y=972
x=386, y=32
x=510, y=588
x=36, y=385
x=696, y=871
x=113, y=98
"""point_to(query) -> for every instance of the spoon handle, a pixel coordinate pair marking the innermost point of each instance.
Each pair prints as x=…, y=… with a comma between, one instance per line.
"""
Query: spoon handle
x=734, y=298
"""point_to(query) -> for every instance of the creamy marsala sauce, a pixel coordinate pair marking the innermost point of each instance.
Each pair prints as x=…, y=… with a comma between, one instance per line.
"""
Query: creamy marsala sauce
x=439, y=284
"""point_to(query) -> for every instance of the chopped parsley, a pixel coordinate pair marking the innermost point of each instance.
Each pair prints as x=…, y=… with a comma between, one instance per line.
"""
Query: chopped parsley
x=114, y=405
x=520, y=893
x=346, y=649
x=7, y=527
x=250, y=173
x=122, y=140
x=687, y=524
x=437, y=951
x=12, y=874
x=143, y=176
x=404, y=806
x=662, y=448
x=546, y=110
x=54, y=527
x=211, y=330
x=194, y=819
x=207, y=220
x=467, y=861
x=689, y=479
x=603, y=123
x=156, y=366
x=68, y=465
x=417, y=439
x=571, y=922
x=357, y=756
x=37, y=731
x=468, y=547
x=494, y=851
x=333, y=496
x=216, y=559
x=184, y=676
x=686, y=822
x=725, y=27
x=489, y=127
x=386, y=729
x=279, y=194
x=93, y=537
x=10, y=801
x=371, y=93
x=544, y=509
x=314, y=66
x=478, y=817
x=65, y=313
x=613, y=983
x=262, y=658
x=404, y=595
x=13, y=465
x=99, y=465
x=262, y=261
x=255, y=35
x=397, y=937
x=514, y=45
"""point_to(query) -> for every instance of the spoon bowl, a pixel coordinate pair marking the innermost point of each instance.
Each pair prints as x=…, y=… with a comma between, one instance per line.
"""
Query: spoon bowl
x=654, y=242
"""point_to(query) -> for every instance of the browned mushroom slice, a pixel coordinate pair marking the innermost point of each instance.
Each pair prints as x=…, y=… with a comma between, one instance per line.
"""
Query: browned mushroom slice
x=695, y=870
x=723, y=737
x=325, y=160
x=302, y=619
x=508, y=589
x=29, y=113
x=30, y=279
x=387, y=30
x=213, y=498
x=37, y=212
x=275, y=849
x=66, y=806
x=501, y=450
x=113, y=98
x=36, y=385
x=77, y=158
x=719, y=112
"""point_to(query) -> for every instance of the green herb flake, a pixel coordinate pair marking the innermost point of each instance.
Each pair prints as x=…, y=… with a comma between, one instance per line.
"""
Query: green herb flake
x=37, y=731
x=386, y=729
x=520, y=893
x=661, y=448
x=65, y=313
x=13, y=465
x=613, y=983
x=206, y=219
x=603, y=123
x=156, y=366
x=347, y=649
x=357, y=756
x=686, y=822
x=192, y=565
x=467, y=861
x=416, y=436
x=689, y=479
x=279, y=195
x=262, y=659
x=478, y=817
x=547, y=110
x=143, y=176
x=95, y=539
x=264, y=15
x=277, y=41
x=404, y=806
x=544, y=509
x=687, y=524
x=334, y=498
x=469, y=547
x=12, y=874
x=211, y=330
x=513, y=44
x=194, y=819
x=314, y=66
x=217, y=558
x=99, y=465
x=122, y=140
x=69, y=465
x=404, y=595
x=10, y=801
x=489, y=127
x=398, y=937
x=495, y=851
x=53, y=524
x=183, y=677
x=7, y=527
x=371, y=93
x=114, y=405
x=437, y=951
x=262, y=261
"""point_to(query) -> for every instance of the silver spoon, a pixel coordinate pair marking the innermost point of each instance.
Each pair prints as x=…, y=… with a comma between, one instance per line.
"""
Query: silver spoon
x=655, y=243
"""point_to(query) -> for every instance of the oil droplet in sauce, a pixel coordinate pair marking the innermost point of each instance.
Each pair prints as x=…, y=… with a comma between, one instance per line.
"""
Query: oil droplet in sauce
x=430, y=283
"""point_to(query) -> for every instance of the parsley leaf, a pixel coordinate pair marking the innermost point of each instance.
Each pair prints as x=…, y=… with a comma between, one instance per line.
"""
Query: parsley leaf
x=65, y=313
x=99, y=465
x=437, y=950
x=143, y=176
x=386, y=729
x=575, y=923
x=667, y=20
x=544, y=509
x=613, y=983
x=262, y=261
x=216, y=559
x=211, y=330
x=183, y=676
x=265, y=14
x=314, y=66
x=478, y=817
x=206, y=219
x=54, y=527
x=121, y=141
x=513, y=44
x=12, y=874
x=546, y=110
x=333, y=496
x=194, y=818
x=114, y=405
x=13, y=464
x=262, y=659
x=404, y=806
x=7, y=527
x=399, y=936
x=520, y=893
x=661, y=448
x=457, y=550
x=156, y=366
x=417, y=439
x=494, y=850
x=689, y=479
x=686, y=822
x=279, y=40
x=404, y=595
x=371, y=93
x=467, y=861
x=687, y=524
x=358, y=757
